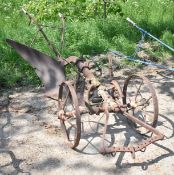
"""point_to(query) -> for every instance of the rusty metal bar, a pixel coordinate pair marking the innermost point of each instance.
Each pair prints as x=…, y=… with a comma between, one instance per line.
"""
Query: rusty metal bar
x=110, y=65
x=40, y=28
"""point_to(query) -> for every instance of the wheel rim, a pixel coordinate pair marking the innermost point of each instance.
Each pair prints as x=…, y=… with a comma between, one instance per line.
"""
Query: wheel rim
x=68, y=102
x=141, y=99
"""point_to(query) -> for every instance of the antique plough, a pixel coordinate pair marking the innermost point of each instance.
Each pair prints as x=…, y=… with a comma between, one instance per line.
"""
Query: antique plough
x=87, y=95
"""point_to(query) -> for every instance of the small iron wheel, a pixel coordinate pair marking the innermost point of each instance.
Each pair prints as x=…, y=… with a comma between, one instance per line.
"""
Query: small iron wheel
x=141, y=101
x=69, y=113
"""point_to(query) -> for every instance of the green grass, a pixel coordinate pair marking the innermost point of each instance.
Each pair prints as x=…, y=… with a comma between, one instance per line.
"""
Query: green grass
x=88, y=37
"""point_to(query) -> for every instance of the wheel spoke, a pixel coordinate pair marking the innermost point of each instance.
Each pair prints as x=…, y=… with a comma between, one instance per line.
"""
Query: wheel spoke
x=130, y=100
x=146, y=114
x=139, y=103
x=146, y=102
x=138, y=89
x=66, y=98
x=143, y=101
x=73, y=125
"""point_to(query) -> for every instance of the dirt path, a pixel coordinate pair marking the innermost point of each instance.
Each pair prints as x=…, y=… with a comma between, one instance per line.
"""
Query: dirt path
x=31, y=141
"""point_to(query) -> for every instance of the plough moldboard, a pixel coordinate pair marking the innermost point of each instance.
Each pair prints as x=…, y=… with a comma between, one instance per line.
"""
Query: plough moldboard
x=137, y=101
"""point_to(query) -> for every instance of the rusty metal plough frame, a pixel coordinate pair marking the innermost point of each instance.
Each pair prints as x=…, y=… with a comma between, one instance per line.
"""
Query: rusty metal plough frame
x=108, y=98
x=90, y=96
x=111, y=103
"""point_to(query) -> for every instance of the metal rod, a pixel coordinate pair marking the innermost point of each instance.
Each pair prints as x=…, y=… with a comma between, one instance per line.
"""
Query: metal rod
x=141, y=61
x=147, y=33
x=150, y=63
x=40, y=28
x=140, y=122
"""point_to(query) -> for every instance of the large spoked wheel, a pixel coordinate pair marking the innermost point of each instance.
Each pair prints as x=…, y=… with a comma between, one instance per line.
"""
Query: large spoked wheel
x=141, y=101
x=69, y=113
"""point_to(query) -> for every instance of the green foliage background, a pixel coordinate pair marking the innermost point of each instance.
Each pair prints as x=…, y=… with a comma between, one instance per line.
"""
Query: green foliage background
x=87, y=32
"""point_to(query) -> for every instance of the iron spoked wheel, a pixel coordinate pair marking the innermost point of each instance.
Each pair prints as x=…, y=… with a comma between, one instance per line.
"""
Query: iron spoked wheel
x=69, y=113
x=141, y=101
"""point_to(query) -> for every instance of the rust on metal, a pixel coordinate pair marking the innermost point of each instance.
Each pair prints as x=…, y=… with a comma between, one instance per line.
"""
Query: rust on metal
x=95, y=97
x=67, y=87
x=50, y=71
x=110, y=65
x=152, y=91
x=110, y=98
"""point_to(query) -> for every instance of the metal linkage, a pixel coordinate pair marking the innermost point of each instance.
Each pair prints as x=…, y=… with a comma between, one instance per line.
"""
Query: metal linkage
x=137, y=100
x=110, y=98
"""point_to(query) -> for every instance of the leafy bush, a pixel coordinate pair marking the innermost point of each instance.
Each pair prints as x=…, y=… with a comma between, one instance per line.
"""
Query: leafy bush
x=86, y=30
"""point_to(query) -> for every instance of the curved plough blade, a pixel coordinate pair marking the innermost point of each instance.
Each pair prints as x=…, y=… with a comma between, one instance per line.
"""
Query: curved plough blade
x=48, y=70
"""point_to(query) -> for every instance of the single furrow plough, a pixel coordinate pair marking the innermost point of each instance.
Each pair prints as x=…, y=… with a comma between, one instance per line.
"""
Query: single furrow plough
x=137, y=100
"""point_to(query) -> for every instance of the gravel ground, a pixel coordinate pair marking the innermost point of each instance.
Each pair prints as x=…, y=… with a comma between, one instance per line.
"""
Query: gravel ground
x=32, y=142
